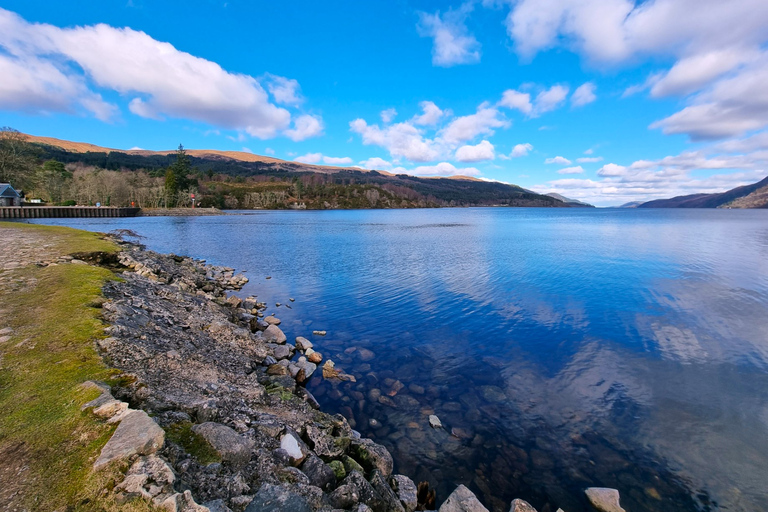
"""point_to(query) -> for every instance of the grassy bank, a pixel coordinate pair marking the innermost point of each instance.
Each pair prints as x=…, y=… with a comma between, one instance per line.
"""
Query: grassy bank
x=47, y=445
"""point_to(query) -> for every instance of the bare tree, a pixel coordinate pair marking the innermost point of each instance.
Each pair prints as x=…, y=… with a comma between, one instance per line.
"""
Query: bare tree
x=18, y=158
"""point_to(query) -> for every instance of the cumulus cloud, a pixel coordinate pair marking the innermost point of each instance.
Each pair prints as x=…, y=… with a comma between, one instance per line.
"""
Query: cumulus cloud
x=571, y=170
x=388, y=115
x=305, y=127
x=477, y=153
x=721, y=66
x=400, y=139
x=559, y=160
x=430, y=116
x=517, y=100
x=376, y=163
x=284, y=90
x=441, y=169
x=589, y=159
x=452, y=42
x=466, y=128
x=309, y=158
x=583, y=95
x=521, y=150
x=57, y=69
x=333, y=160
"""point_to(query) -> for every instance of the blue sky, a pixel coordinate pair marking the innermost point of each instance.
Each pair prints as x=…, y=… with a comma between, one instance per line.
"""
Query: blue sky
x=602, y=100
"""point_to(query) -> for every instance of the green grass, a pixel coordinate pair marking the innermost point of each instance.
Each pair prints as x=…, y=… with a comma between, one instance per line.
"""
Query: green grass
x=194, y=444
x=50, y=354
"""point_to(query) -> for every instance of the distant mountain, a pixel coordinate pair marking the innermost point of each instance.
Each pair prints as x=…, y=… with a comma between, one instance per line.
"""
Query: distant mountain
x=573, y=202
x=234, y=179
x=748, y=196
x=631, y=204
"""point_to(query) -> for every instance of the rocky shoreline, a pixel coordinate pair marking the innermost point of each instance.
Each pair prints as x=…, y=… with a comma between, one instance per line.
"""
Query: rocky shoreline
x=213, y=414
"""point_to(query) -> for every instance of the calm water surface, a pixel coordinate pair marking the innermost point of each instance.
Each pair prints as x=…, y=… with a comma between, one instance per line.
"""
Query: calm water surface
x=560, y=348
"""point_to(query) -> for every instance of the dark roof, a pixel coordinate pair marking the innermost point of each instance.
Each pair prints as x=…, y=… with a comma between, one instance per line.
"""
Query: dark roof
x=6, y=190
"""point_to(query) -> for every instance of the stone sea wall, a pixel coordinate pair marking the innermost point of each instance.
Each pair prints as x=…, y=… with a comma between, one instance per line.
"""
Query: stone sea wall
x=212, y=412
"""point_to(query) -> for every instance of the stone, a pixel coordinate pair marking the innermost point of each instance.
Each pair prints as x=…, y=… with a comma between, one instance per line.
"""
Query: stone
x=365, y=491
x=149, y=477
x=364, y=354
x=110, y=408
x=137, y=434
x=295, y=448
x=231, y=446
x=371, y=456
x=493, y=394
x=338, y=469
x=273, y=334
x=325, y=445
x=604, y=499
x=434, y=421
x=519, y=505
x=315, y=357
x=388, y=496
x=277, y=498
x=319, y=473
x=344, y=497
x=319, y=333
x=406, y=491
x=277, y=369
x=217, y=506
x=181, y=502
x=303, y=343
x=282, y=352
x=272, y=320
x=238, y=503
x=462, y=500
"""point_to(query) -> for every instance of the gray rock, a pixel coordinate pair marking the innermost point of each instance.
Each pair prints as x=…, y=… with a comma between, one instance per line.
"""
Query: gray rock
x=325, y=445
x=604, y=499
x=273, y=334
x=345, y=496
x=137, y=434
x=521, y=506
x=295, y=448
x=277, y=498
x=462, y=500
x=217, y=506
x=372, y=456
x=282, y=352
x=231, y=446
x=365, y=491
x=380, y=485
x=405, y=490
x=269, y=361
x=238, y=503
x=319, y=473
x=303, y=343
x=272, y=320
x=434, y=421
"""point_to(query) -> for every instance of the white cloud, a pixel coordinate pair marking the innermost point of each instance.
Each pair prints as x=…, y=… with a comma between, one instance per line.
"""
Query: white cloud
x=309, y=158
x=583, y=95
x=513, y=99
x=331, y=160
x=54, y=69
x=441, y=169
x=269, y=151
x=400, y=139
x=589, y=151
x=388, y=115
x=478, y=153
x=466, y=128
x=559, y=160
x=692, y=73
x=305, y=127
x=432, y=114
x=284, y=90
x=376, y=163
x=521, y=150
x=571, y=170
x=612, y=170
x=549, y=99
x=246, y=150
x=589, y=160
x=452, y=42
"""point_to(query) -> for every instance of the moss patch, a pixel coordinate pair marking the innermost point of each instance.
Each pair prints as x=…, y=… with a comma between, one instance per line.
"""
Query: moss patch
x=194, y=444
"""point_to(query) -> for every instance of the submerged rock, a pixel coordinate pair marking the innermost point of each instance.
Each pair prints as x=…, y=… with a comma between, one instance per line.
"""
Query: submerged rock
x=434, y=421
x=519, y=505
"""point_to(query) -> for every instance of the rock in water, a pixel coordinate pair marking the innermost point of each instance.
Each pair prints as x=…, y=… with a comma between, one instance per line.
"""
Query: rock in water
x=273, y=334
x=303, y=343
x=231, y=446
x=272, y=320
x=462, y=500
x=137, y=434
x=604, y=499
x=434, y=421
x=521, y=506
x=319, y=333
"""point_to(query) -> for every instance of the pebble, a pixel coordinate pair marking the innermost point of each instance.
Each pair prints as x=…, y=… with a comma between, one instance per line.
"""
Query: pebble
x=434, y=421
x=292, y=300
x=319, y=333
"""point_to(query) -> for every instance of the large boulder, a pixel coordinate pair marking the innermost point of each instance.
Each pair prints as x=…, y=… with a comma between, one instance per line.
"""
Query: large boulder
x=137, y=434
x=231, y=446
x=462, y=500
x=324, y=444
x=273, y=334
x=319, y=473
x=372, y=456
x=365, y=491
x=388, y=496
x=406, y=491
x=604, y=499
x=277, y=498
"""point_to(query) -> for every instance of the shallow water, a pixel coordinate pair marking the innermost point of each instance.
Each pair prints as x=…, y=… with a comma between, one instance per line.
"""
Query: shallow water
x=561, y=349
